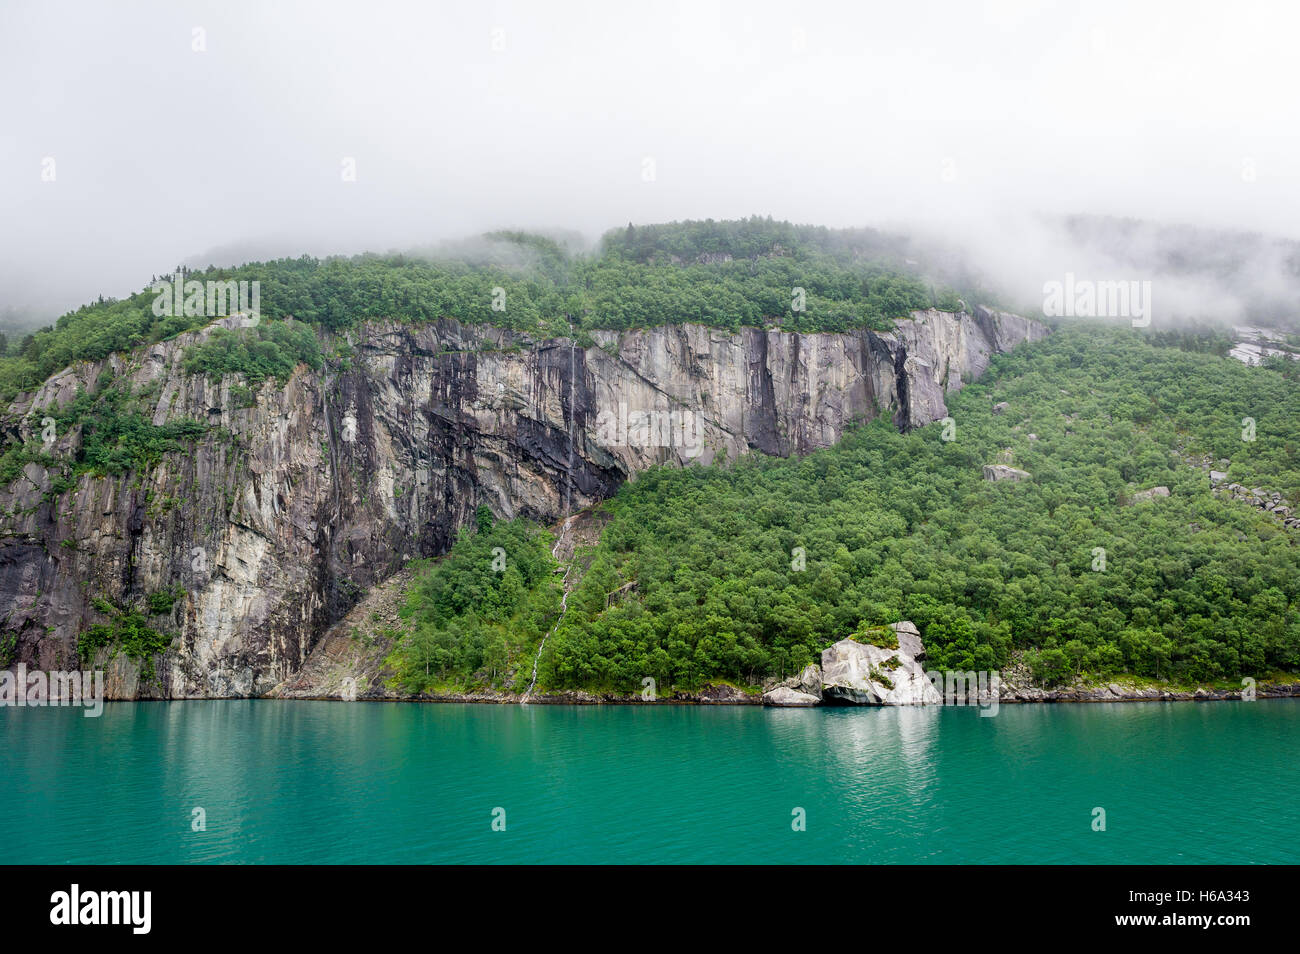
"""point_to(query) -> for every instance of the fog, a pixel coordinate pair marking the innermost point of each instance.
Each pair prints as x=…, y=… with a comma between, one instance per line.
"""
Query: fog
x=138, y=136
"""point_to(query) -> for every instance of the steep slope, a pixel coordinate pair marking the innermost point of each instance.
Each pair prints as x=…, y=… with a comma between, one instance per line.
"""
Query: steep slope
x=301, y=497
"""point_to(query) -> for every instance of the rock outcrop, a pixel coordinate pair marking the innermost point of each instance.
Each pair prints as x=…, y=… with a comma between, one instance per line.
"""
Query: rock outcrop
x=860, y=674
x=1004, y=472
x=810, y=680
x=1271, y=502
x=1151, y=494
x=785, y=698
x=302, y=496
x=804, y=689
x=909, y=639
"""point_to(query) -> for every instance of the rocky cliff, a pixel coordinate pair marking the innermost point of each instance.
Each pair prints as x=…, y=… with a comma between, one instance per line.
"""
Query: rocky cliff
x=304, y=495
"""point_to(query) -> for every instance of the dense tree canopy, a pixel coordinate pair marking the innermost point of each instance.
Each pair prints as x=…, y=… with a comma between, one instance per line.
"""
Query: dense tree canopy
x=722, y=273
x=750, y=570
x=481, y=609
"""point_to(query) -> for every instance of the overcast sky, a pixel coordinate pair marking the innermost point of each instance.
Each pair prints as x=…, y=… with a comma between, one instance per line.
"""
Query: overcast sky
x=169, y=144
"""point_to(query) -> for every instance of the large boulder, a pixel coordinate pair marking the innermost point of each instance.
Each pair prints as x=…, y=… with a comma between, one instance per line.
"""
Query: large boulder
x=810, y=680
x=1150, y=494
x=786, y=698
x=723, y=695
x=855, y=673
x=1003, y=472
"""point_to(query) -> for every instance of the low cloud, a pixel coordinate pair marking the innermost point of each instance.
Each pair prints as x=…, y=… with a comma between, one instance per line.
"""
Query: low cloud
x=140, y=137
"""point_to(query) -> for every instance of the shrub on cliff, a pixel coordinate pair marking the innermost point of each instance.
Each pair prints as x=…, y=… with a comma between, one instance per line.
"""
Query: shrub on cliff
x=269, y=350
x=480, y=610
x=726, y=274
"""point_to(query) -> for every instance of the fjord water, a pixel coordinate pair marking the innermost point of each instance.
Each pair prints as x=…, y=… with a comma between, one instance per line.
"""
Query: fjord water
x=318, y=782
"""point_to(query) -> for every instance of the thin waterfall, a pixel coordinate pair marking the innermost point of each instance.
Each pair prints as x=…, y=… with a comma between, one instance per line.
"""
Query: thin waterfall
x=564, y=529
x=564, y=608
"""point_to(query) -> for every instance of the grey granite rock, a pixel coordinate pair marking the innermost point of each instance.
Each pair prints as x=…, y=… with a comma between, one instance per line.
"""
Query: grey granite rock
x=1151, y=494
x=1003, y=472
x=855, y=673
x=784, y=698
x=810, y=680
x=909, y=639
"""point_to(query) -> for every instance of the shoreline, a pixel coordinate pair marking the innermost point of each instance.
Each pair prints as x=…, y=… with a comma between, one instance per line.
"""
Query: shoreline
x=1047, y=697
x=730, y=696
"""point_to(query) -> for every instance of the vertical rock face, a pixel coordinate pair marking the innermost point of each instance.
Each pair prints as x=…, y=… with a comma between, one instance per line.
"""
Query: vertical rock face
x=295, y=503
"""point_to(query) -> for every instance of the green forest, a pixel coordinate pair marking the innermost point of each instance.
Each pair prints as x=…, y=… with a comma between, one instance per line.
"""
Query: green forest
x=728, y=274
x=482, y=608
x=746, y=571
x=903, y=526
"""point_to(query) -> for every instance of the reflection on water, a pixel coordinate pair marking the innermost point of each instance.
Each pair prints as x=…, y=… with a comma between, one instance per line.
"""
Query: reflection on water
x=310, y=782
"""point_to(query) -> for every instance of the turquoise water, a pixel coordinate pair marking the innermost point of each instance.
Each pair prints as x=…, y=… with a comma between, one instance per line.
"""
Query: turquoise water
x=313, y=782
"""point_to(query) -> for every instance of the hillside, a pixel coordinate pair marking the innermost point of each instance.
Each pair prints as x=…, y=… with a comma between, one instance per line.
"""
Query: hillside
x=193, y=514
x=748, y=571
x=198, y=505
